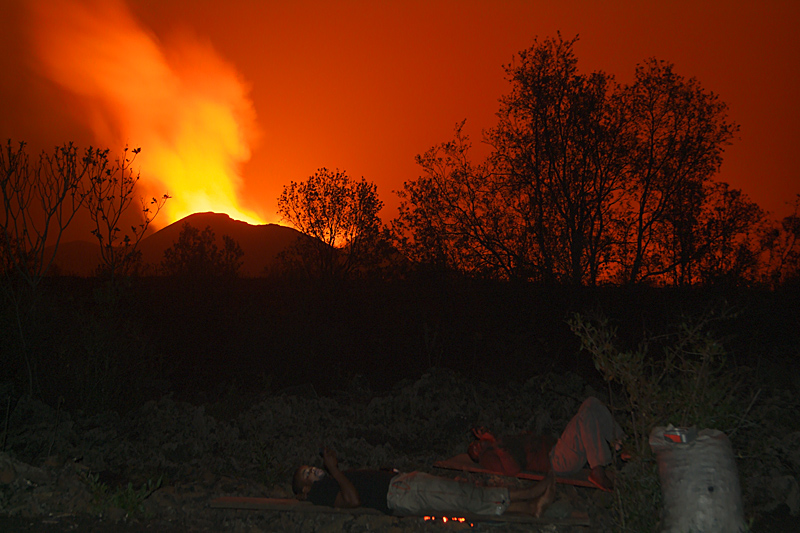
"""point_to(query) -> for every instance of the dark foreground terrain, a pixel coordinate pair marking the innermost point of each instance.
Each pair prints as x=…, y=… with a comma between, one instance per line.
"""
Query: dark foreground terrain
x=158, y=467
x=153, y=400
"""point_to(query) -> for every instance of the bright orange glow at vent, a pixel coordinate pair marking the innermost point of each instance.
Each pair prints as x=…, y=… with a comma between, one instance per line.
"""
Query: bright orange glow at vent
x=182, y=104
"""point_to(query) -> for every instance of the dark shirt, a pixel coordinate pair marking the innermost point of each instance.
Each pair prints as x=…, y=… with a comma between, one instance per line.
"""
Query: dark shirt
x=372, y=487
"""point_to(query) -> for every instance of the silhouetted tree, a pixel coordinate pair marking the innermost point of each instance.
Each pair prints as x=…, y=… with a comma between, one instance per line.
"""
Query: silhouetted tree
x=558, y=153
x=781, y=249
x=541, y=206
x=448, y=218
x=341, y=217
x=195, y=255
x=728, y=238
x=677, y=132
x=108, y=198
x=588, y=181
x=40, y=200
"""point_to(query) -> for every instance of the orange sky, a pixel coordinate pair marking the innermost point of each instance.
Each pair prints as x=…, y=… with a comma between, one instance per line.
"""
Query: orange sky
x=364, y=86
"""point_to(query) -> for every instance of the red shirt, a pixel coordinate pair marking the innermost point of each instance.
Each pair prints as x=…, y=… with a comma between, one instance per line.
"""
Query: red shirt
x=511, y=454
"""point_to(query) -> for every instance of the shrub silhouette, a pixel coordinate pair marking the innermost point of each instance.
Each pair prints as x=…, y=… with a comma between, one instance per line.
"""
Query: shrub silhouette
x=195, y=255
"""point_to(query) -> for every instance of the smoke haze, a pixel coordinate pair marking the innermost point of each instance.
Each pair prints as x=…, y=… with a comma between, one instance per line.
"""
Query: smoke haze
x=186, y=107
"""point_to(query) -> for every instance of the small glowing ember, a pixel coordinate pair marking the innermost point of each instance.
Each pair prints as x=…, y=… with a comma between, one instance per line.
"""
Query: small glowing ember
x=445, y=519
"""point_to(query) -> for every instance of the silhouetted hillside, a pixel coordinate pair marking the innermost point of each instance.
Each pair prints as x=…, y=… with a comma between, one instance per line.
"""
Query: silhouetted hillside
x=261, y=244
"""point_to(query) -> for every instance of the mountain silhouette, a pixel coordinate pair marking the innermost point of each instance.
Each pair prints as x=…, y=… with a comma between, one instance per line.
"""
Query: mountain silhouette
x=261, y=244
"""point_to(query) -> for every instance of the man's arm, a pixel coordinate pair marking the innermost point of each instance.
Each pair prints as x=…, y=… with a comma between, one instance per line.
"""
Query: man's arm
x=348, y=495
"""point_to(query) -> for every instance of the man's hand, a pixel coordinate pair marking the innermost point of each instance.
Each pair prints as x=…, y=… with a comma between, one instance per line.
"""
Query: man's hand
x=348, y=495
x=329, y=459
x=482, y=433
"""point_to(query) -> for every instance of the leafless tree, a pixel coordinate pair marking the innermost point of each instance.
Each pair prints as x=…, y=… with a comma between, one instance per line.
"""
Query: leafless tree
x=39, y=202
x=108, y=198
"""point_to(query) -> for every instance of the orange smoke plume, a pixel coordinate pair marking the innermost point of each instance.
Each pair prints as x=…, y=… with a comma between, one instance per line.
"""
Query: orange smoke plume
x=182, y=104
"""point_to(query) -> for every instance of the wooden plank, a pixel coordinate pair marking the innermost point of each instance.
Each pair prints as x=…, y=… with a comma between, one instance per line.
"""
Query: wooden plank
x=463, y=462
x=290, y=504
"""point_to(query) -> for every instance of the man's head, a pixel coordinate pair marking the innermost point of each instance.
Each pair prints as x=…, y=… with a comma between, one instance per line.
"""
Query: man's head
x=475, y=449
x=304, y=478
x=484, y=442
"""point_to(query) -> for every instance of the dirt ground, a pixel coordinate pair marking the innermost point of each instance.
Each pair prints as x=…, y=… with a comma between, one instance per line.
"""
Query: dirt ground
x=159, y=467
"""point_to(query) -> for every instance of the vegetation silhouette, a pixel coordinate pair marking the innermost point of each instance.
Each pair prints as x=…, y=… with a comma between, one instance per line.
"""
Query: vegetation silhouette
x=340, y=215
x=591, y=182
x=196, y=256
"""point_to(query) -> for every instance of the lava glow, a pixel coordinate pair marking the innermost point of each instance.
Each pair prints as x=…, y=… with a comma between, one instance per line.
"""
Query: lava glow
x=181, y=103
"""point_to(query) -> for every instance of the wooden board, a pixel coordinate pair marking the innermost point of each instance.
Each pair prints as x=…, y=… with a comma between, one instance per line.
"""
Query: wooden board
x=290, y=504
x=463, y=462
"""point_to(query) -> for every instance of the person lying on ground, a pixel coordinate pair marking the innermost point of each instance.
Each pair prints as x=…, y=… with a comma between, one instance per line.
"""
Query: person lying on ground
x=413, y=493
x=586, y=439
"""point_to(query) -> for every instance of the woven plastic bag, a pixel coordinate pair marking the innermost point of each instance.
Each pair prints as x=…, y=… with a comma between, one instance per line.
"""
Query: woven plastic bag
x=699, y=481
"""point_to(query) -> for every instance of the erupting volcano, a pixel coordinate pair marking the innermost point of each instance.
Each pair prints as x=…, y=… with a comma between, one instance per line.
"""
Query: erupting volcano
x=186, y=107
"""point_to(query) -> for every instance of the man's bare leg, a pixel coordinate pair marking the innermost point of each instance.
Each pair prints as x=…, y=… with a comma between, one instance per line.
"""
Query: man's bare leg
x=549, y=496
x=534, y=500
x=531, y=493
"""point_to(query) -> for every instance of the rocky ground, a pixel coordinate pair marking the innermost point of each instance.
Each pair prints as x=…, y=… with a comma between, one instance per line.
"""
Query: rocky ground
x=157, y=468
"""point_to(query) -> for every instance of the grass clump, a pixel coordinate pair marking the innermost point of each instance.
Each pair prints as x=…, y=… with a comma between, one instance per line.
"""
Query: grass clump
x=126, y=497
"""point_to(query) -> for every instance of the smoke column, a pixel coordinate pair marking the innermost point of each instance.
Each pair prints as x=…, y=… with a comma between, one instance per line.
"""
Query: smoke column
x=182, y=104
